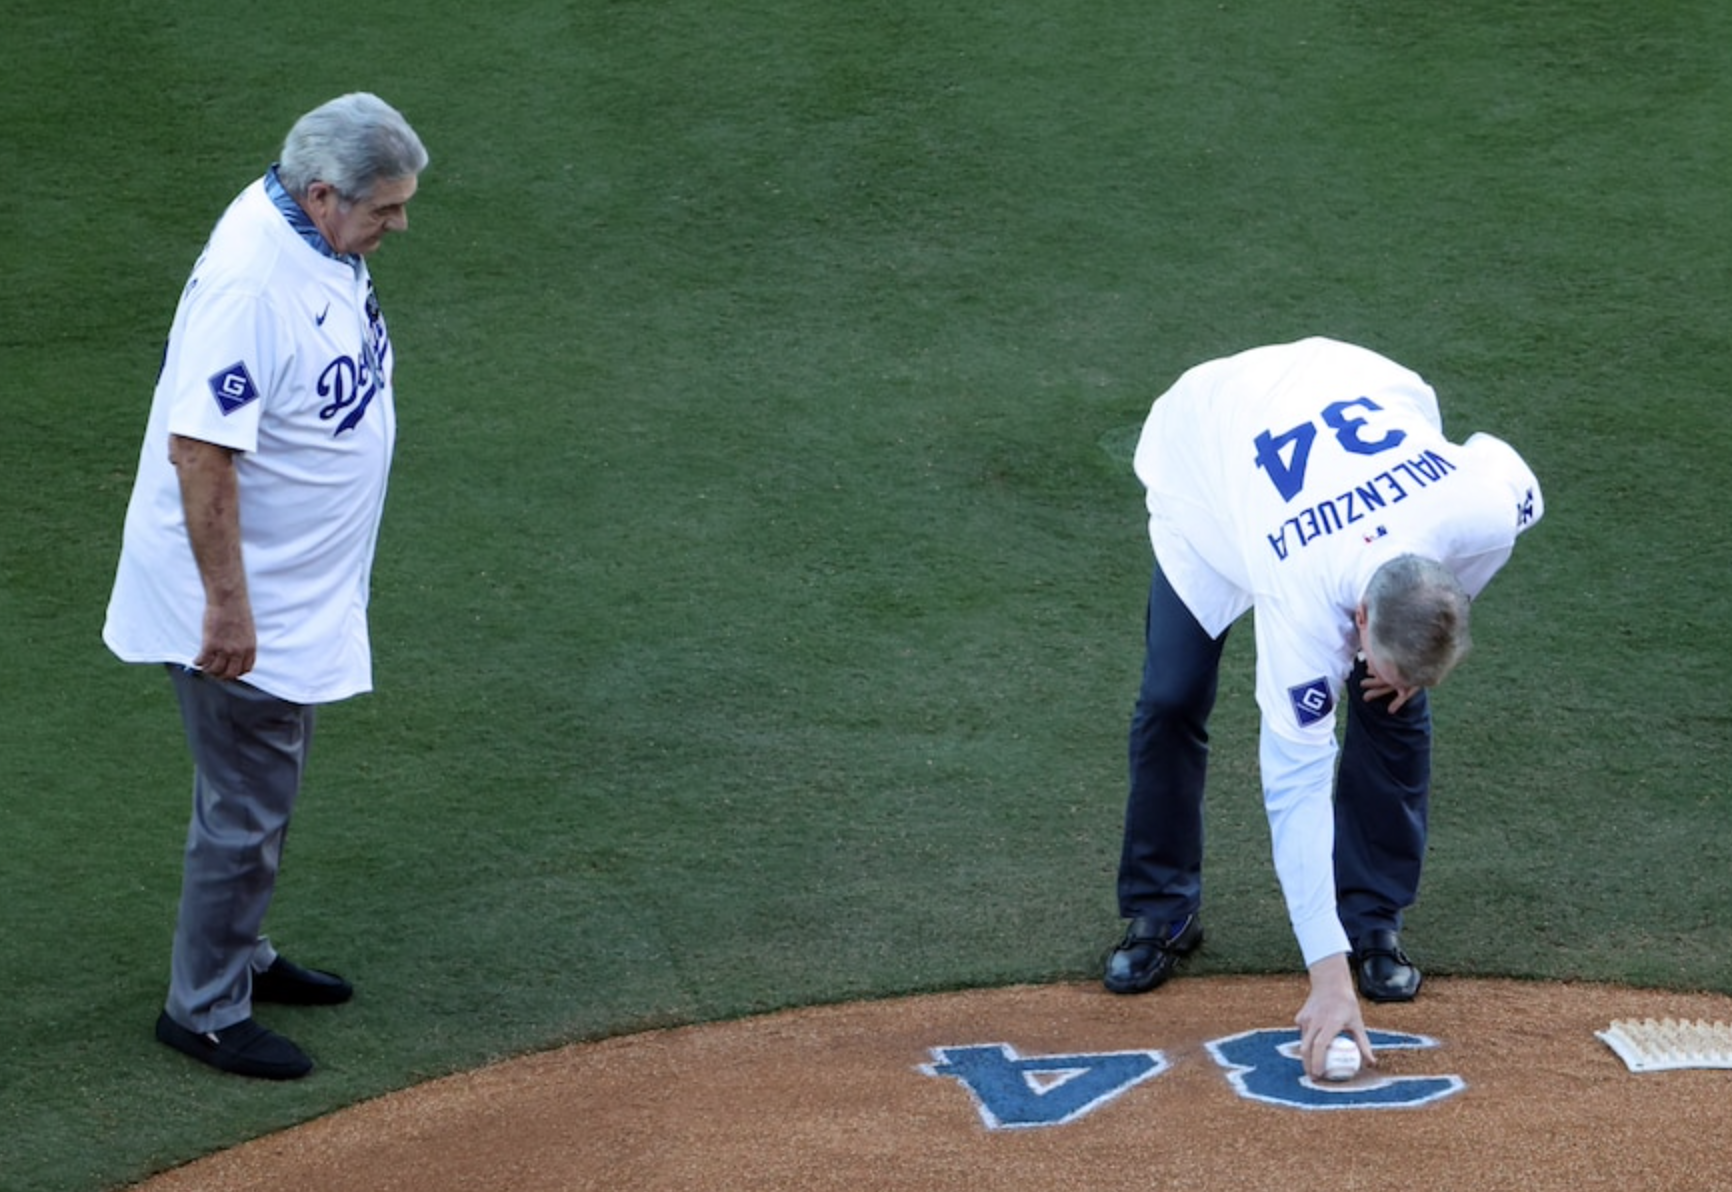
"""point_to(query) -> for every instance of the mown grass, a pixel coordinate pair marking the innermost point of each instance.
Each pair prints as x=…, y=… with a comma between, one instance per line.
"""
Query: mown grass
x=758, y=611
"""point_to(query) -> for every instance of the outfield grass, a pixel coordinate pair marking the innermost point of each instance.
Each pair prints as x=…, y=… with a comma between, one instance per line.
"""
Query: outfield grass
x=758, y=612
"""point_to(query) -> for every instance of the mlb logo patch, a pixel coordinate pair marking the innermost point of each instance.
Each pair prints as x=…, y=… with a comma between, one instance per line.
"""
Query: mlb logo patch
x=233, y=388
x=1312, y=701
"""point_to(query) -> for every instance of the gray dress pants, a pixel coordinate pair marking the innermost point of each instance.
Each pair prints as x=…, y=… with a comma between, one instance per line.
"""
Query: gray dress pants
x=249, y=750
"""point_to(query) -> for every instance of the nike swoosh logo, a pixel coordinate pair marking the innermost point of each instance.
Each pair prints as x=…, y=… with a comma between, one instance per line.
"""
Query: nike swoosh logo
x=320, y=321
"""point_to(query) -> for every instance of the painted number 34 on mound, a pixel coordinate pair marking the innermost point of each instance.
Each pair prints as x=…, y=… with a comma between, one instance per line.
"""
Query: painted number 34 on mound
x=1016, y=1092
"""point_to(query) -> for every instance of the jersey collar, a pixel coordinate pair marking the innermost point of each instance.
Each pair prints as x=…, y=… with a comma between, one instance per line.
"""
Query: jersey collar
x=301, y=222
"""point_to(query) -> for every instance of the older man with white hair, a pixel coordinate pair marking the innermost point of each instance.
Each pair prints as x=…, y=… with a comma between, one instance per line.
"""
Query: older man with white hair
x=249, y=541
x=1311, y=481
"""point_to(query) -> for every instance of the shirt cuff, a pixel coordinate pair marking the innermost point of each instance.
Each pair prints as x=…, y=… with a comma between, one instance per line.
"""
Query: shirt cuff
x=1321, y=937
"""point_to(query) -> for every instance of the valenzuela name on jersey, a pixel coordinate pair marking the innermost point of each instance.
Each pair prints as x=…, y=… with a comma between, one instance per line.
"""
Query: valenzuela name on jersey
x=1337, y=513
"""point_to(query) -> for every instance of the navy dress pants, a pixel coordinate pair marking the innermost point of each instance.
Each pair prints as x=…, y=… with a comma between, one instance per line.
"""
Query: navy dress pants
x=1382, y=784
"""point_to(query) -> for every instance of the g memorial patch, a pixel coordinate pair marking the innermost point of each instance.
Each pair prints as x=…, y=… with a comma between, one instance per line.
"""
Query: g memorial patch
x=1312, y=701
x=233, y=387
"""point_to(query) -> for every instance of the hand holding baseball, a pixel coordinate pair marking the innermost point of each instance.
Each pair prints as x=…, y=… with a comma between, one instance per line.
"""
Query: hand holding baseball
x=1331, y=1010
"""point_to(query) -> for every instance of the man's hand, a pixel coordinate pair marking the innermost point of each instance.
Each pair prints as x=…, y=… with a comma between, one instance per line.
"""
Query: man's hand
x=1376, y=688
x=230, y=645
x=1332, y=1009
x=211, y=499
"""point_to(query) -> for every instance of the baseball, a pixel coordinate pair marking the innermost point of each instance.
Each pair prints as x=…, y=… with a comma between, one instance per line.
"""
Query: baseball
x=1341, y=1061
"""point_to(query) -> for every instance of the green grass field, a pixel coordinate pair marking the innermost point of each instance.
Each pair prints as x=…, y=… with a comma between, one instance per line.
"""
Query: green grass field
x=758, y=613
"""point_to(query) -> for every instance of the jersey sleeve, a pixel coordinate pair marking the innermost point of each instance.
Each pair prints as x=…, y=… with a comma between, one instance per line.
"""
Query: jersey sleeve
x=1296, y=796
x=225, y=354
x=1299, y=675
x=1478, y=541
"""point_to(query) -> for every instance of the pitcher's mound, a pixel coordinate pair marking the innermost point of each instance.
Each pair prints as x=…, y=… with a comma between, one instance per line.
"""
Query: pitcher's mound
x=1480, y=1085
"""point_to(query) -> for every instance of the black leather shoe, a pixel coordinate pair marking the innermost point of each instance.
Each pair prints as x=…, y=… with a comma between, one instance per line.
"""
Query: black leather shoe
x=288, y=984
x=246, y=1049
x=1382, y=970
x=1150, y=951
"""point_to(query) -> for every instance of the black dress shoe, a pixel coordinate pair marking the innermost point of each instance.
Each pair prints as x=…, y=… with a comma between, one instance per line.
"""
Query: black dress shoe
x=246, y=1049
x=288, y=984
x=1382, y=970
x=1150, y=951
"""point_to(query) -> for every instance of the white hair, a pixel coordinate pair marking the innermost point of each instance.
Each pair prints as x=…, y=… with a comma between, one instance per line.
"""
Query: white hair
x=352, y=143
x=1416, y=615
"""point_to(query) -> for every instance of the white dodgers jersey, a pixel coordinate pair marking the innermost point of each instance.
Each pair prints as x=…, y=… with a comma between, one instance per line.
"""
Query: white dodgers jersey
x=279, y=352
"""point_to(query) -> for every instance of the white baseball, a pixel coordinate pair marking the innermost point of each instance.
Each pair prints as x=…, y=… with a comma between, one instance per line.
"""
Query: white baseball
x=1341, y=1061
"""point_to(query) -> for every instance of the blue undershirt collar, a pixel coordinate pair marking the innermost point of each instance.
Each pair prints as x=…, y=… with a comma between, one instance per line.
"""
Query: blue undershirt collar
x=301, y=222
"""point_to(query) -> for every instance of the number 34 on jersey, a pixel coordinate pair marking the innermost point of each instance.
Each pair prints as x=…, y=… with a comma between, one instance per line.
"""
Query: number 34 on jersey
x=1284, y=456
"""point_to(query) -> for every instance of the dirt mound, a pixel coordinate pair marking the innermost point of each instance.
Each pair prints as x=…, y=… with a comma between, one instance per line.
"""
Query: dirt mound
x=1480, y=1085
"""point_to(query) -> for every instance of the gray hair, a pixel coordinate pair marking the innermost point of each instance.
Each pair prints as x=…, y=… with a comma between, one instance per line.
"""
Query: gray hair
x=352, y=143
x=1416, y=615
